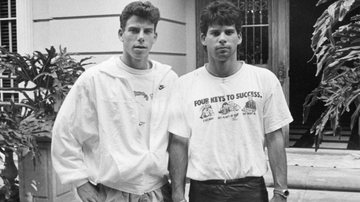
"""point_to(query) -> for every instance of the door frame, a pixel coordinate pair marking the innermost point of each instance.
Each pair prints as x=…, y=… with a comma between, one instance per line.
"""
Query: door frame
x=279, y=47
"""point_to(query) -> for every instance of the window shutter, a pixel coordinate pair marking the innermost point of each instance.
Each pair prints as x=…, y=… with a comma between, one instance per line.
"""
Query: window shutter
x=8, y=39
x=8, y=24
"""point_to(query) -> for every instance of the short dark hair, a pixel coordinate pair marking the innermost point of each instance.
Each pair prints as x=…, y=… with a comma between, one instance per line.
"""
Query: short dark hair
x=144, y=10
x=220, y=12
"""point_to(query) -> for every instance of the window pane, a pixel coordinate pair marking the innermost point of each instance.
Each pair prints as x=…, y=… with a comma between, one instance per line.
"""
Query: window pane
x=6, y=83
x=8, y=35
x=4, y=9
x=13, y=8
x=10, y=96
x=13, y=37
x=5, y=38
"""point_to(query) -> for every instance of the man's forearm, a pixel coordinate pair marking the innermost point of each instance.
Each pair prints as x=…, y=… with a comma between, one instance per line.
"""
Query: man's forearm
x=178, y=151
x=277, y=158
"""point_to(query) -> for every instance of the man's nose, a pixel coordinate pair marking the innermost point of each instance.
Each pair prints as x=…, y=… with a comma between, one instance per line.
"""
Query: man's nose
x=222, y=38
x=141, y=36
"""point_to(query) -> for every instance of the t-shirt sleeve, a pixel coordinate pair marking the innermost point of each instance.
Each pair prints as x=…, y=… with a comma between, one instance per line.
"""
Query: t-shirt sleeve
x=276, y=110
x=178, y=125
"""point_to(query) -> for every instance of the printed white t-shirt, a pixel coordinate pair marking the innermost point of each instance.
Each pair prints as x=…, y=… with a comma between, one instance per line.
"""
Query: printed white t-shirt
x=226, y=120
x=142, y=83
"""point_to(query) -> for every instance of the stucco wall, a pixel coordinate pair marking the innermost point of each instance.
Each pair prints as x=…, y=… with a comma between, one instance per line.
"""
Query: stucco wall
x=89, y=28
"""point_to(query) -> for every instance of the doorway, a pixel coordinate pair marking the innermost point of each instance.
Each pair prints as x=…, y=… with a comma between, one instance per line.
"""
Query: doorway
x=302, y=80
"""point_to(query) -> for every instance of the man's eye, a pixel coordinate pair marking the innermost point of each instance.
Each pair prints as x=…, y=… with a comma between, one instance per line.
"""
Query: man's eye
x=229, y=32
x=148, y=31
x=215, y=33
x=134, y=30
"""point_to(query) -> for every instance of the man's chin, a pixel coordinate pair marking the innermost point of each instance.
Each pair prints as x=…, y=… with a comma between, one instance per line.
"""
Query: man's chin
x=223, y=58
x=140, y=54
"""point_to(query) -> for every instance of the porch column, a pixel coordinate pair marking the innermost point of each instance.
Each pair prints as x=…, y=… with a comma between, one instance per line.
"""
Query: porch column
x=24, y=26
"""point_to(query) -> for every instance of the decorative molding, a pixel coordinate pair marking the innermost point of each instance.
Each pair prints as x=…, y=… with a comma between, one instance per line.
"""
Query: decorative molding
x=98, y=16
x=121, y=52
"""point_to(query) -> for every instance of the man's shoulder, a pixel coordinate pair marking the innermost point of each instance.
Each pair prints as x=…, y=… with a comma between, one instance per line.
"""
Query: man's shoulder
x=261, y=71
x=104, y=66
x=160, y=64
x=92, y=72
x=193, y=74
x=164, y=69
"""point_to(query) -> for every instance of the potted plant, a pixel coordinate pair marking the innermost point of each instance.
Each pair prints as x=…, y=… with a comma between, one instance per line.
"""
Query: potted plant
x=43, y=80
x=336, y=46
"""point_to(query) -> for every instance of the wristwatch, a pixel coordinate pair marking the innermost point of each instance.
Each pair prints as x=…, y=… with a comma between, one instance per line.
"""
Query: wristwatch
x=283, y=192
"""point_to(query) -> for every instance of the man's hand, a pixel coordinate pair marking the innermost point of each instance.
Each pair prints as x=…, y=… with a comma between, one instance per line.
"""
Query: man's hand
x=88, y=193
x=278, y=198
x=176, y=197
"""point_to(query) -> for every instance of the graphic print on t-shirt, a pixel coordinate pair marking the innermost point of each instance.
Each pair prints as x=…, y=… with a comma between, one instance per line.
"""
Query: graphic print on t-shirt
x=140, y=93
x=143, y=101
x=250, y=106
x=206, y=111
x=229, y=106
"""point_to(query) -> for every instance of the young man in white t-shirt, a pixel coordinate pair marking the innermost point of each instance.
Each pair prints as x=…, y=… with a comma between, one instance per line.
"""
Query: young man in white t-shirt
x=110, y=136
x=222, y=116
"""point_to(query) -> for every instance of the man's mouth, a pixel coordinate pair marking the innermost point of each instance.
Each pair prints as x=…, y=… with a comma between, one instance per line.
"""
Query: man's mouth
x=222, y=48
x=140, y=47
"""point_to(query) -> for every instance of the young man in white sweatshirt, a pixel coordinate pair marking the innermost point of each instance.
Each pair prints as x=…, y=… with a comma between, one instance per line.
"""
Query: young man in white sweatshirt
x=110, y=136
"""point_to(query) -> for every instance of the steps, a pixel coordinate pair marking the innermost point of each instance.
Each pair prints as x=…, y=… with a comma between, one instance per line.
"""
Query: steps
x=300, y=138
x=326, y=175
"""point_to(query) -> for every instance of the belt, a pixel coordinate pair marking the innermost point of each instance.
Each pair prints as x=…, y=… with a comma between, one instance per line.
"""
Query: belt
x=226, y=181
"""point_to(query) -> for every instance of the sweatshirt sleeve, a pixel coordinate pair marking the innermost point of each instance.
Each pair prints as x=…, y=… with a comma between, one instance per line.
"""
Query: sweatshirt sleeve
x=75, y=125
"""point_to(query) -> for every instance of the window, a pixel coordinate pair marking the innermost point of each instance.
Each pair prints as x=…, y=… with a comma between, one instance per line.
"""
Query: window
x=255, y=31
x=8, y=24
x=8, y=40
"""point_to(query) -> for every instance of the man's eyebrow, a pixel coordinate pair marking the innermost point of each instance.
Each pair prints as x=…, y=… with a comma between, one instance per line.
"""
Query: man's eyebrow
x=133, y=27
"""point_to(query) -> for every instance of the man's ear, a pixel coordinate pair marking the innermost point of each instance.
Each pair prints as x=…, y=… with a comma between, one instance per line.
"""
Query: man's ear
x=155, y=35
x=120, y=34
x=240, y=38
x=202, y=38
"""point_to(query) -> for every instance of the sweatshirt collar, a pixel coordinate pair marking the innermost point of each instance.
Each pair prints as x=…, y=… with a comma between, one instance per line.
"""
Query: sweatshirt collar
x=113, y=68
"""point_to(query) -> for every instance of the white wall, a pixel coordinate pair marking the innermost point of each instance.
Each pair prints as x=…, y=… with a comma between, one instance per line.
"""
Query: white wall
x=89, y=28
x=190, y=35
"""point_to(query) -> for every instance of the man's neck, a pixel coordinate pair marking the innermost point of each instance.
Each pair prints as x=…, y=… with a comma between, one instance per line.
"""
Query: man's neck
x=136, y=64
x=223, y=68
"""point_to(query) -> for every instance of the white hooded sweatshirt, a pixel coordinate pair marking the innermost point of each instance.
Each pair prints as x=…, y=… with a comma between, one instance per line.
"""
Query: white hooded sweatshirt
x=96, y=135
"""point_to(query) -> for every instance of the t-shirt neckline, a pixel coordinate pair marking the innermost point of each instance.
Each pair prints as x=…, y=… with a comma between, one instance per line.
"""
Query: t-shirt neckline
x=228, y=78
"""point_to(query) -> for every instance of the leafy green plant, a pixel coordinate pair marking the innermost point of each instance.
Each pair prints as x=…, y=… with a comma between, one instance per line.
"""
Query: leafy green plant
x=336, y=47
x=43, y=80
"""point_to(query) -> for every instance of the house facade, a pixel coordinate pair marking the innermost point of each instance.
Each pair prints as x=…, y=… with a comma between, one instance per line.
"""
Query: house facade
x=90, y=28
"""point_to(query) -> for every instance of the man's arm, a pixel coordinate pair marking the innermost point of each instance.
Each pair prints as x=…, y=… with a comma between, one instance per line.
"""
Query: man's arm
x=178, y=151
x=76, y=122
x=277, y=159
